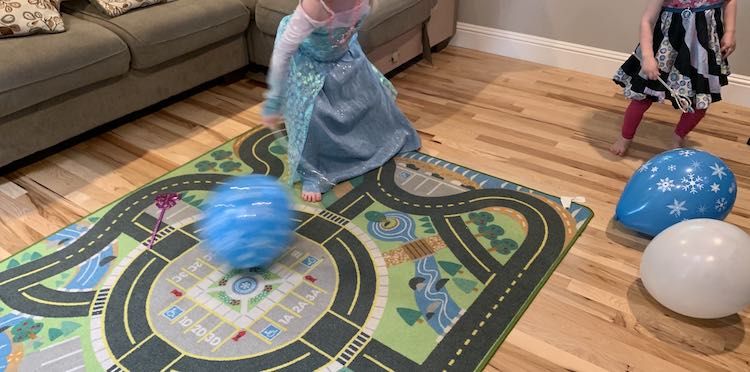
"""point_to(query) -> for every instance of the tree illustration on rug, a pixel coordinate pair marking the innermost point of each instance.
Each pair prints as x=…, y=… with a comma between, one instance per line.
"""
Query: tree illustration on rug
x=505, y=246
x=54, y=333
x=69, y=327
x=467, y=286
x=376, y=217
x=490, y=232
x=29, y=256
x=451, y=268
x=410, y=316
x=60, y=282
x=65, y=329
x=26, y=330
x=230, y=166
x=480, y=218
x=191, y=199
x=220, y=155
x=187, y=198
x=205, y=166
x=427, y=225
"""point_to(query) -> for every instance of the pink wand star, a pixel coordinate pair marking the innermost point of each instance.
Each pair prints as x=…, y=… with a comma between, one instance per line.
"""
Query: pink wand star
x=163, y=202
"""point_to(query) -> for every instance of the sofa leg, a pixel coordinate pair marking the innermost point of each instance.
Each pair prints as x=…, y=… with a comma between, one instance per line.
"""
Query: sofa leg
x=426, y=45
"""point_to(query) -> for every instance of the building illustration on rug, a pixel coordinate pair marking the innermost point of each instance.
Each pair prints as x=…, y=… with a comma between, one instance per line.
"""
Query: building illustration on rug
x=421, y=264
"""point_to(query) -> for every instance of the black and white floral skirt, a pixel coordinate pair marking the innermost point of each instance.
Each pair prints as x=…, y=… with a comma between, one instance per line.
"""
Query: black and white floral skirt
x=687, y=48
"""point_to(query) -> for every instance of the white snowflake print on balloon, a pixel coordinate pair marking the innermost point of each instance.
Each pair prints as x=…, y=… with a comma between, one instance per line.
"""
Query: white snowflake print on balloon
x=715, y=188
x=692, y=183
x=645, y=167
x=672, y=167
x=732, y=188
x=721, y=205
x=718, y=171
x=687, y=153
x=665, y=185
x=702, y=209
x=676, y=208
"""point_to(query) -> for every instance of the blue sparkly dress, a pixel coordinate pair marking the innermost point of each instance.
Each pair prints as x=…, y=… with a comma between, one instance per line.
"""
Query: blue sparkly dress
x=340, y=111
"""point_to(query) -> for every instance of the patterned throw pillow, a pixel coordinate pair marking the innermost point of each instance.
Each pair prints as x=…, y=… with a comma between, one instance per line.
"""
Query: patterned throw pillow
x=114, y=8
x=26, y=17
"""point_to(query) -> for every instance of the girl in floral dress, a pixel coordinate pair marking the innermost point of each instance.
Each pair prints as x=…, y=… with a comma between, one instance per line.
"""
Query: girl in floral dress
x=682, y=57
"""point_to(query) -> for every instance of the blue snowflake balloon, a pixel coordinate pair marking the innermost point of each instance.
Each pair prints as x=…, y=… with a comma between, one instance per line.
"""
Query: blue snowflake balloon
x=248, y=222
x=675, y=186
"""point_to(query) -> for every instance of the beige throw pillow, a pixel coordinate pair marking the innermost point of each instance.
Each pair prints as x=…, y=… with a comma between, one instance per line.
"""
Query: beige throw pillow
x=26, y=17
x=114, y=8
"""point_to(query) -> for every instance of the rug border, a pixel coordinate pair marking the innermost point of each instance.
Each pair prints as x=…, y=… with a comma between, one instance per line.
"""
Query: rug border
x=495, y=346
x=516, y=318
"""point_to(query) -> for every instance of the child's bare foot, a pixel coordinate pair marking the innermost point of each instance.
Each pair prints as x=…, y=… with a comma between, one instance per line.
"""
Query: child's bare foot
x=311, y=197
x=620, y=148
x=677, y=142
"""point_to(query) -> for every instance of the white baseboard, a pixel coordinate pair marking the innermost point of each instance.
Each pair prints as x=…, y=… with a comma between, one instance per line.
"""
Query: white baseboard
x=577, y=57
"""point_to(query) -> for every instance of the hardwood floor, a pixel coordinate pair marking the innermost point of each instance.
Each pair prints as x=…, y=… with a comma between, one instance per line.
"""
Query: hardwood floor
x=543, y=127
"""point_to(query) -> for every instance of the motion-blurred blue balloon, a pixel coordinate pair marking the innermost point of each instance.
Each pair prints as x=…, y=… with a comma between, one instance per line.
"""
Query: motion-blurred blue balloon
x=248, y=221
x=675, y=186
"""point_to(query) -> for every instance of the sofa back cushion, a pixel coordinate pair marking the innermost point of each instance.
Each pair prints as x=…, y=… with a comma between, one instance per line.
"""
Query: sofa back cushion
x=165, y=32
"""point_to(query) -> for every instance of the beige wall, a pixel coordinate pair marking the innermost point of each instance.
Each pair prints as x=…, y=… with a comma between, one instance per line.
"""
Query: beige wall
x=608, y=24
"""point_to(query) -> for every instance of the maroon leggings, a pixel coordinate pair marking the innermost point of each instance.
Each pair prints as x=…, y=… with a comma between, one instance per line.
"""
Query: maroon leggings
x=634, y=115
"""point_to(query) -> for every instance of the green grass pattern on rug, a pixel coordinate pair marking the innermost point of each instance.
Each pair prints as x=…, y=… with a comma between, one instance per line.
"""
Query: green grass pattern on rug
x=419, y=265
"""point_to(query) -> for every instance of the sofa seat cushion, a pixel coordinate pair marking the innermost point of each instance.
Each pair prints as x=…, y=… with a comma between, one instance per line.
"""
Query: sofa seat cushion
x=159, y=33
x=388, y=20
x=37, y=68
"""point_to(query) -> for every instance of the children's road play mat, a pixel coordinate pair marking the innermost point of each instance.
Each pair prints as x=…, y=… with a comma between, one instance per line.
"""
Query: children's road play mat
x=421, y=265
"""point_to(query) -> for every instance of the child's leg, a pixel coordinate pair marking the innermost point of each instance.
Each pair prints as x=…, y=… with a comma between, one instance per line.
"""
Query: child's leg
x=633, y=116
x=687, y=123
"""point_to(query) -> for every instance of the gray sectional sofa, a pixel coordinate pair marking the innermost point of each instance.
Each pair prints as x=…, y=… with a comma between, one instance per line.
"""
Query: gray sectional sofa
x=57, y=86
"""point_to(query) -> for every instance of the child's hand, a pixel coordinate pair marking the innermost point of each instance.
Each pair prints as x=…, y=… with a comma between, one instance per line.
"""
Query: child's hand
x=272, y=122
x=728, y=44
x=650, y=68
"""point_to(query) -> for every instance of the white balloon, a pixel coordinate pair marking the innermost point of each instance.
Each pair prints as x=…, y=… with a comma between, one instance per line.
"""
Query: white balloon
x=699, y=268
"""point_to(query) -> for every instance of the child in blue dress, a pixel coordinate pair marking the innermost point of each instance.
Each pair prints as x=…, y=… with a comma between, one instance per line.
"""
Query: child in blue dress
x=340, y=112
